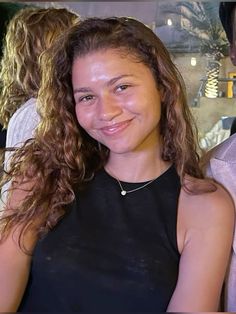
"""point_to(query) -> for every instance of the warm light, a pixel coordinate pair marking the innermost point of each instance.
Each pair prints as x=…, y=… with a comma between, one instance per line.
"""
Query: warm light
x=211, y=87
x=193, y=61
x=169, y=22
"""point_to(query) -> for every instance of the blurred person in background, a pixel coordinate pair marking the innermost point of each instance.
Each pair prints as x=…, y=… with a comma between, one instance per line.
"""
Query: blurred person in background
x=7, y=11
x=220, y=162
x=28, y=34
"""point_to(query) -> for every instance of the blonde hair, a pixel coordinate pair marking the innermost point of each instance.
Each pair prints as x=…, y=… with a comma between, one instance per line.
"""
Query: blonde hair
x=30, y=32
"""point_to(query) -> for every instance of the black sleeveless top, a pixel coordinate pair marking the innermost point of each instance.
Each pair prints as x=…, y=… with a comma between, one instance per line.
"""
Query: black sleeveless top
x=110, y=253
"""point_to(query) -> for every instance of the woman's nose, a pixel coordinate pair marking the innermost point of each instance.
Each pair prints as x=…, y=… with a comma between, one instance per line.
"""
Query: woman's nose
x=108, y=108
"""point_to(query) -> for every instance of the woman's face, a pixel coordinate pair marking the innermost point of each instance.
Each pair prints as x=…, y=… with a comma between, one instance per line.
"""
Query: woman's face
x=117, y=101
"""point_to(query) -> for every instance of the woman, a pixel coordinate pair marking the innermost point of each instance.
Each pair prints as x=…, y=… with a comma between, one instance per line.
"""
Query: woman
x=109, y=197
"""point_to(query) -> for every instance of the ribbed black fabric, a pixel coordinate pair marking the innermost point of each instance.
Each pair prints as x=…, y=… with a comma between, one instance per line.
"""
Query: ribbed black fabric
x=110, y=253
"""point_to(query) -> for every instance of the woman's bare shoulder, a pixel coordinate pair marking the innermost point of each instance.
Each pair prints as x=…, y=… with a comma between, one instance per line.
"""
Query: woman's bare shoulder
x=205, y=235
x=213, y=204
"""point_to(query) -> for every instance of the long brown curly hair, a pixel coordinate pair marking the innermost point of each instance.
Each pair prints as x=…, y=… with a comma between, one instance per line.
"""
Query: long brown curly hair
x=63, y=156
x=28, y=34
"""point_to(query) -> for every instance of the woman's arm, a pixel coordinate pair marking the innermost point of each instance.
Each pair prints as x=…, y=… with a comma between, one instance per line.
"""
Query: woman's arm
x=14, y=272
x=206, y=222
x=14, y=262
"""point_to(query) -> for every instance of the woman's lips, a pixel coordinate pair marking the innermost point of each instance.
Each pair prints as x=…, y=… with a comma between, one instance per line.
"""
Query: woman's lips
x=115, y=128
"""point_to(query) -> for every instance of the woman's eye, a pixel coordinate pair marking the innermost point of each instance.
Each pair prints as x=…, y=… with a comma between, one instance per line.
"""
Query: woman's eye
x=86, y=98
x=122, y=87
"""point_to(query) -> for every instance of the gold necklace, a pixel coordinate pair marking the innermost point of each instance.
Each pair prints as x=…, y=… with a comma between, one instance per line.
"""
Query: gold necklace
x=123, y=192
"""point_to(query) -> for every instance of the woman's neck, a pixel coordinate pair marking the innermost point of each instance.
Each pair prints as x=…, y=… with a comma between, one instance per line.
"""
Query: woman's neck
x=137, y=167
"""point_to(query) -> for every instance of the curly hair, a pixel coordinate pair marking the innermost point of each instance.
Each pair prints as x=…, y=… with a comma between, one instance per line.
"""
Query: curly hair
x=28, y=34
x=63, y=156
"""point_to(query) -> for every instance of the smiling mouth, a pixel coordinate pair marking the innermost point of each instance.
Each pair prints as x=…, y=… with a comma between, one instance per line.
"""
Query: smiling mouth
x=115, y=128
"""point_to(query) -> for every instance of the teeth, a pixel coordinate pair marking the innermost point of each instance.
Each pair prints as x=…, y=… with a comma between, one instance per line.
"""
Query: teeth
x=115, y=127
x=111, y=129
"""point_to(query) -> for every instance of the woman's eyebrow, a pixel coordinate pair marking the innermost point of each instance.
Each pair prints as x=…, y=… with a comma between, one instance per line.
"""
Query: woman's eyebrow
x=82, y=90
x=117, y=78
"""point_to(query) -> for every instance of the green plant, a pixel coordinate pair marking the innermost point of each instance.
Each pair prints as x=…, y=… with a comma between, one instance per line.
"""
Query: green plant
x=201, y=21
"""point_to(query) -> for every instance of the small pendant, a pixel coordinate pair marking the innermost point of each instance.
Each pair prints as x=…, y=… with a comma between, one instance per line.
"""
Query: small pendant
x=123, y=192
